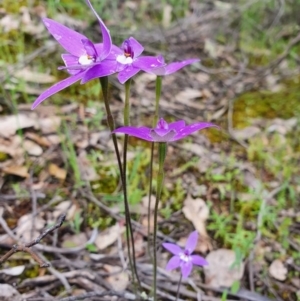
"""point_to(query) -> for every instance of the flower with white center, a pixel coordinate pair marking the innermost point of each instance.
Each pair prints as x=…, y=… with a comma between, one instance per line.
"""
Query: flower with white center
x=184, y=258
x=82, y=57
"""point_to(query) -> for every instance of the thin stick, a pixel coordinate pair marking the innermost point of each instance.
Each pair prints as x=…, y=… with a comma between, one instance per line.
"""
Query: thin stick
x=27, y=247
x=179, y=283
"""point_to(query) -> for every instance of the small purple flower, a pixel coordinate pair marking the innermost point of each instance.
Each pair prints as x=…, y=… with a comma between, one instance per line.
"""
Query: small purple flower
x=164, y=132
x=166, y=69
x=82, y=54
x=184, y=258
x=127, y=61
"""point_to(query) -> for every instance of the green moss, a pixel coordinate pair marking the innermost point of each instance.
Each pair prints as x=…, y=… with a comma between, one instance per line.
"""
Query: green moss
x=283, y=104
x=3, y=156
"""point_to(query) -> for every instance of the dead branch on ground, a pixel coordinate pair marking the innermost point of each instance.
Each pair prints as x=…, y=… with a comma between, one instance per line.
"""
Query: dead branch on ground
x=27, y=247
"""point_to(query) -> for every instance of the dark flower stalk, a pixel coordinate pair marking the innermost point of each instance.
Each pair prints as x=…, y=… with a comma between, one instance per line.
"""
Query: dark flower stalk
x=162, y=151
x=155, y=120
x=179, y=283
x=129, y=231
x=122, y=168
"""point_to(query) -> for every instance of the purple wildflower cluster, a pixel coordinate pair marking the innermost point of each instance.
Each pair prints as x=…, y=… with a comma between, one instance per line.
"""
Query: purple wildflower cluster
x=86, y=61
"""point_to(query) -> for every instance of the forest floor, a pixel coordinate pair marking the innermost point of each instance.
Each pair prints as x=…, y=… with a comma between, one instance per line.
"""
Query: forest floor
x=238, y=186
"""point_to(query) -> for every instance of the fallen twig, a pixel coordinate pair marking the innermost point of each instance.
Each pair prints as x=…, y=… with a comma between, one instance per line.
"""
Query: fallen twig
x=126, y=296
x=27, y=247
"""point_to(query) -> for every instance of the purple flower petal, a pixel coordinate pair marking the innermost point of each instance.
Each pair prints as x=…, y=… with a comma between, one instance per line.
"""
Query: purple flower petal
x=57, y=87
x=189, y=129
x=89, y=47
x=105, y=34
x=173, y=67
x=177, y=125
x=146, y=62
x=105, y=68
x=136, y=47
x=174, y=249
x=70, y=60
x=198, y=260
x=173, y=263
x=127, y=73
x=142, y=132
x=186, y=269
x=162, y=137
x=114, y=52
x=69, y=39
x=191, y=242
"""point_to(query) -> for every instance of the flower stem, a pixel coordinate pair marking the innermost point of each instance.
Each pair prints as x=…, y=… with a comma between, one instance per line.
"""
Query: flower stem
x=155, y=120
x=111, y=125
x=162, y=151
x=110, y=119
x=129, y=230
x=179, y=283
x=157, y=98
x=149, y=201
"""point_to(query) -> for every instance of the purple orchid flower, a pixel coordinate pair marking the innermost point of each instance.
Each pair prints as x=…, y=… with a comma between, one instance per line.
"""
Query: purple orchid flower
x=128, y=61
x=164, y=132
x=83, y=54
x=166, y=69
x=184, y=258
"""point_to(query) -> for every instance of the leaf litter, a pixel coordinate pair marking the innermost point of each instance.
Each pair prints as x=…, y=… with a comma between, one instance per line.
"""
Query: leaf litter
x=40, y=135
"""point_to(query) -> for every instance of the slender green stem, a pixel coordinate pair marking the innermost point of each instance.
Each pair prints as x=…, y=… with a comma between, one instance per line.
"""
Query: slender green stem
x=162, y=151
x=129, y=230
x=149, y=201
x=157, y=98
x=127, y=103
x=155, y=120
x=179, y=283
x=111, y=125
x=110, y=119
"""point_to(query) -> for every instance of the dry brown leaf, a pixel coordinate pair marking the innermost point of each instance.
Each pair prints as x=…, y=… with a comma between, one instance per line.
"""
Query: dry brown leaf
x=197, y=212
x=71, y=241
x=9, y=22
x=145, y=201
x=10, y=124
x=282, y=126
x=188, y=94
x=247, y=132
x=21, y=171
x=57, y=172
x=118, y=281
x=277, y=270
x=65, y=207
x=14, y=271
x=109, y=236
x=87, y=170
x=50, y=124
x=32, y=148
x=12, y=146
x=35, y=77
x=145, y=222
x=38, y=139
x=24, y=228
x=9, y=293
x=219, y=271
x=54, y=139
